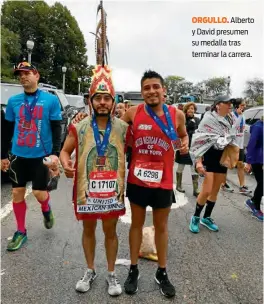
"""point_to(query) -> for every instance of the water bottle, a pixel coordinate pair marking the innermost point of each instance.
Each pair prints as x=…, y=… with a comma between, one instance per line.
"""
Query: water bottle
x=47, y=161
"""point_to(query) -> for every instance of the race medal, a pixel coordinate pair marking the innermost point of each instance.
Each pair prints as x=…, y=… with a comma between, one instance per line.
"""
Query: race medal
x=26, y=125
x=176, y=144
x=150, y=173
x=101, y=146
x=168, y=130
x=100, y=161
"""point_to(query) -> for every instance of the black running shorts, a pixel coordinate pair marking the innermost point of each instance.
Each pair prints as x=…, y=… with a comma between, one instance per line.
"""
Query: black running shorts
x=211, y=161
x=23, y=170
x=241, y=155
x=153, y=197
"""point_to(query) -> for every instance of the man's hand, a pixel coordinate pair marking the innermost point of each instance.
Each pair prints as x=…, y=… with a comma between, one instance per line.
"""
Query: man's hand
x=182, y=133
x=68, y=169
x=184, y=148
x=200, y=168
x=248, y=168
x=79, y=117
x=5, y=164
x=54, y=165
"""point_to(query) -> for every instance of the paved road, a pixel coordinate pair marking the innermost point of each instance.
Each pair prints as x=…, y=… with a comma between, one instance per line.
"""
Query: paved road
x=208, y=268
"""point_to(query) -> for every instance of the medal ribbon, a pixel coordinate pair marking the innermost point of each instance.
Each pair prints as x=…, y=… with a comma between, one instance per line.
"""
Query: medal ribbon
x=167, y=130
x=30, y=108
x=101, y=146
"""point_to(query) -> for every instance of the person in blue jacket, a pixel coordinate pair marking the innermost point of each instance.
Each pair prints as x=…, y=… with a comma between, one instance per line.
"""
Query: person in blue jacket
x=255, y=163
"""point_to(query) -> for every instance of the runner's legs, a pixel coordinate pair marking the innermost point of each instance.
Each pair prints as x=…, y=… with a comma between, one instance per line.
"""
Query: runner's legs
x=160, y=221
x=89, y=241
x=111, y=241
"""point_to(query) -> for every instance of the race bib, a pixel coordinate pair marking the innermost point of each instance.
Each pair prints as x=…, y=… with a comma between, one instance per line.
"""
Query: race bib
x=149, y=173
x=101, y=195
x=102, y=184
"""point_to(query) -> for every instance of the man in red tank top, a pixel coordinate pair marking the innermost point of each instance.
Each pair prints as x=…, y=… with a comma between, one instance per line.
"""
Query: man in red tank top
x=158, y=131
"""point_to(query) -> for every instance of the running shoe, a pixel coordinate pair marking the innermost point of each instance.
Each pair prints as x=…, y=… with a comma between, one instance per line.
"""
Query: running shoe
x=250, y=205
x=131, y=283
x=114, y=287
x=195, y=224
x=209, y=223
x=48, y=219
x=166, y=288
x=244, y=190
x=258, y=214
x=86, y=281
x=227, y=188
x=17, y=241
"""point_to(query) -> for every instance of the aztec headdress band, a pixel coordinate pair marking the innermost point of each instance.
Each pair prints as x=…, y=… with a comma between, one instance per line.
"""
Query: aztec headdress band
x=102, y=75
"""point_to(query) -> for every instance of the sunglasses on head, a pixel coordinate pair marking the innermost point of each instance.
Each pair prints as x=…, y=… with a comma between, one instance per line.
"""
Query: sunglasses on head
x=24, y=65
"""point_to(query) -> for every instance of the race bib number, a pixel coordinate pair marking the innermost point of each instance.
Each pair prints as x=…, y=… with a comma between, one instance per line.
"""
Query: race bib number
x=102, y=183
x=149, y=172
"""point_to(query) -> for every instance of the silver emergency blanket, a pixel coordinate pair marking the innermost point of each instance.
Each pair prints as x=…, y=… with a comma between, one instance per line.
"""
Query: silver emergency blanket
x=213, y=131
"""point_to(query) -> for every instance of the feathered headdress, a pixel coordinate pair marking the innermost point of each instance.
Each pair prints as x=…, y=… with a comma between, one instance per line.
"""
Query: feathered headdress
x=102, y=81
x=102, y=76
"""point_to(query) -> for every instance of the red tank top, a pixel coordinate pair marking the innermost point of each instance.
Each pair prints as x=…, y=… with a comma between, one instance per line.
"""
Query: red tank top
x=152, y=152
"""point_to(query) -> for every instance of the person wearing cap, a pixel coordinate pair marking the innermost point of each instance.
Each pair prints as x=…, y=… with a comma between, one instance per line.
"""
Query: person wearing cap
x=34, y=126
x=99, y=175
x=214, y=133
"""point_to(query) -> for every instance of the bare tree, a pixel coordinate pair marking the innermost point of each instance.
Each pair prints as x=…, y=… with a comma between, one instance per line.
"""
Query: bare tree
x=254, y=90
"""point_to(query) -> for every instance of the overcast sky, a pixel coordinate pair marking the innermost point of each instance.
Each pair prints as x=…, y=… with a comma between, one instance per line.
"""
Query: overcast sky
x=158, y=35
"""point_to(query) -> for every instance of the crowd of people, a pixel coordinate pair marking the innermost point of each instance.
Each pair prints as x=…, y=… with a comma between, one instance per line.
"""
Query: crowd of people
x=156, y=135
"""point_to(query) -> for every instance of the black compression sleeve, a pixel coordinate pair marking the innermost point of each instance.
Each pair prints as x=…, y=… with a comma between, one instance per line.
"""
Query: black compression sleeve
x=56, y=136
x=7, y=132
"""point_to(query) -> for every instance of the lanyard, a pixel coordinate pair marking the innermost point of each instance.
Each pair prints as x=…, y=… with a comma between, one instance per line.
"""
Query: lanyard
x=101, y=146
x=30, y=108
x=167, y=130
x=241, y=122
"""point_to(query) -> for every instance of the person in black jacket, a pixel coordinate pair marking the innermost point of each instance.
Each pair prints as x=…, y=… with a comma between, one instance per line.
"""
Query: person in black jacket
x=192, y=123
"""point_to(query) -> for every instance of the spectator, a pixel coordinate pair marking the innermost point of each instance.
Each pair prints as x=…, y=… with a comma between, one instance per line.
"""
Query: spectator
x=255, y=163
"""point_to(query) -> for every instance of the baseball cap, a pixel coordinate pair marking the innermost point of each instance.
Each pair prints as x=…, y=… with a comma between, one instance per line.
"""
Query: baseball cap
x=24, y=66
x=222, y=98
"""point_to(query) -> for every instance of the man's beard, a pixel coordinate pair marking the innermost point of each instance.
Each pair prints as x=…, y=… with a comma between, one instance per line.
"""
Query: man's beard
x=153, y=105
x=101, y=114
